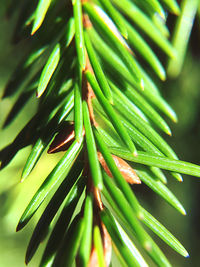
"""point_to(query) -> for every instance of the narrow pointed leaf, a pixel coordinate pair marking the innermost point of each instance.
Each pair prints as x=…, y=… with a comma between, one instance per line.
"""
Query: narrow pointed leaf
x=91, y=148
x=42, y=142
x=131, y=246
x=141, y=125
x=152, y=224
x=144, y=49
x=66, y=108
x=86, y=241
x=34, y=156
x=130, y=104
x=134, y=97
x=118, y=241
x=62, y=74
x=160, y=189
x=99, y=17
x=157, y=161
x=34, y=56
x=51, y=210
x=181, y=35
x=48, y=70
x=159, y=174
x=70, y=31
x=119, y=179
x=62, y=223
x=138, y=138
x=79, y=38
x=40, y=14
x=138, y=17
x=152, y=93
x=163, y=233
x=160, y=24
x=110, y=142
x=78, y=113
x=115, y=63
x=105, y=127
x=172, y=6
x=156, y=6
x=136, y=135
x=51, y=181
x=67, y=251
x=111, y=113
x=97, y=69
x=99, y=247
x=144, y=143
x=144, y=239
x=116, y=17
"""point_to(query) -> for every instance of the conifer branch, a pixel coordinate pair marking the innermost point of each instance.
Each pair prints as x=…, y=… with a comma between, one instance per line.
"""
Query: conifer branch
x=97, y=104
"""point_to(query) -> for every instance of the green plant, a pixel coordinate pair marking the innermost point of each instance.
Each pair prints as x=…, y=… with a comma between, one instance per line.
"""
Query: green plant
x=98, y=104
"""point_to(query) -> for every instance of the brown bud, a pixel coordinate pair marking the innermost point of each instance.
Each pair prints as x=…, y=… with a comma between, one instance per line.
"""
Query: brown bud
x=63, y=139
x=97, y=198
x=86, y=21
x=127, y=172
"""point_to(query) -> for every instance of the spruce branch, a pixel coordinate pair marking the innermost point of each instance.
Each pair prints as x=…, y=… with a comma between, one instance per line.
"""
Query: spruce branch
x=98, y=104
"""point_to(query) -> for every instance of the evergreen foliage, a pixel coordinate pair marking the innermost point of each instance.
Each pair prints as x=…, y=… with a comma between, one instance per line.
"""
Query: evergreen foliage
x=97, y=102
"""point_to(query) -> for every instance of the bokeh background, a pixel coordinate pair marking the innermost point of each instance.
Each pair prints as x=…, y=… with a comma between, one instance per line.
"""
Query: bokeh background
x=183, y=94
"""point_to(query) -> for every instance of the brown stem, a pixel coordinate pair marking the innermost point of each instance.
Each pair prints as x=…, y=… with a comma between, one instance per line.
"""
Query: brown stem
x=88, y=95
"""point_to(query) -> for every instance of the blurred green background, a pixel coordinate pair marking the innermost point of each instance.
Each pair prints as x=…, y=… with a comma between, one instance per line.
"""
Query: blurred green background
x=183, y=94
